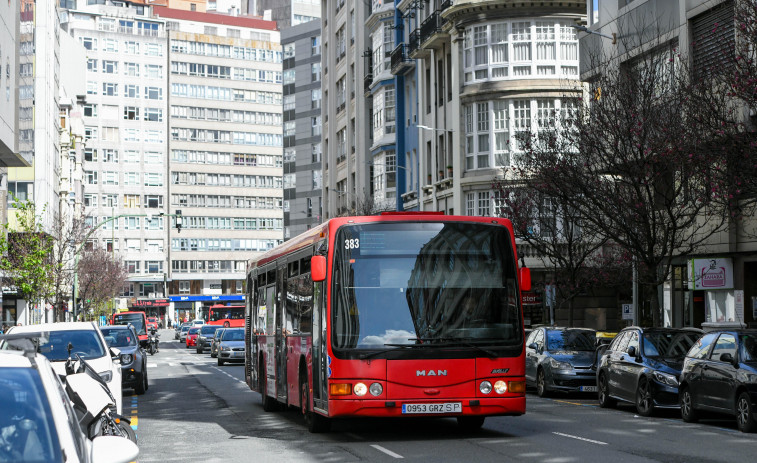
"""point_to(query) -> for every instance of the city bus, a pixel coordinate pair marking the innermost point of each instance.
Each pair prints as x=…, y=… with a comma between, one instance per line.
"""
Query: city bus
x=226, y=315
x=395, y=315
x=136, y=318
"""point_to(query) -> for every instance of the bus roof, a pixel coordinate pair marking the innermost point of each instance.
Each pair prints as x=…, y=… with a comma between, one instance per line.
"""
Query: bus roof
x=323, y=230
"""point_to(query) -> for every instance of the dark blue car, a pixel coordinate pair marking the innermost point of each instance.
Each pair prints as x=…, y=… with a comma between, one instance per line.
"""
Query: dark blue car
x=720, y=375
x=560, y=359
x=642, y=366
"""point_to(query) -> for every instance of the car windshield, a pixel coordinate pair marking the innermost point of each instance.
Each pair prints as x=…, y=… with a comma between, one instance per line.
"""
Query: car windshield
x=185, y=328
x=26, y=418
x=136, y=319
x=410, y=283
x=115, y=337
x=570, y=340
x=233, y=335
x=208, y=329
x=668, y=344
x=218, y=333
x=86, y=343
x=194, y=330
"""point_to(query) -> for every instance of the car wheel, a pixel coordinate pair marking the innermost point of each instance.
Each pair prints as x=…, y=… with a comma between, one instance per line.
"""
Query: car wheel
x=688, y=414
x=744, y=416
x=644, y=401
x=141, y=387
x=470, y=423
x=541, y=384
x=603, y=395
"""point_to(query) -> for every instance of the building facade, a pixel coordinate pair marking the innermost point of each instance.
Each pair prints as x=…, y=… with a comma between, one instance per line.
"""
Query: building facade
x=224, y=153
x=303, y=174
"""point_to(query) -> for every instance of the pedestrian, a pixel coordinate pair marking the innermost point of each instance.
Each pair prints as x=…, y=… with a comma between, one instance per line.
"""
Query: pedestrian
x=169, y=323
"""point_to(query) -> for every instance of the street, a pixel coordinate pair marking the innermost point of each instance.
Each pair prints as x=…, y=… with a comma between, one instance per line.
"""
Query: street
x=195, y=410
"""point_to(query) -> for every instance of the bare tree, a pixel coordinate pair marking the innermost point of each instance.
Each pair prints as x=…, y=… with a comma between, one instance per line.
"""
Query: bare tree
x=363, y=205
x=69, y=233
x=101, y=278
x=631, y=163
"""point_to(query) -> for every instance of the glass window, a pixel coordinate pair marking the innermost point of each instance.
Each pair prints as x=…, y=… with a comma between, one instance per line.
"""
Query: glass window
x=726, y=344
x=701, y=348
x=570, y=340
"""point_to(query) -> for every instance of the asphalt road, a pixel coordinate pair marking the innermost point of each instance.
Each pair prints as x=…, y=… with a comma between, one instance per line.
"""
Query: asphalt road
x=195, y=411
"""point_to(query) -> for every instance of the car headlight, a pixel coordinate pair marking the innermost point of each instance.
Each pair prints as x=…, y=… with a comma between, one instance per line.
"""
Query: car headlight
x=106, y=376
x=665, y=378
x=126, y=359
x=225, y=348
x=557, y=365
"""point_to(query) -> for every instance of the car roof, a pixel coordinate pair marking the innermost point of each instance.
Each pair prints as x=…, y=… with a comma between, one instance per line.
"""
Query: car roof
x=64, y=326
x=115, y=327
x=689, y=329
x=15, y=359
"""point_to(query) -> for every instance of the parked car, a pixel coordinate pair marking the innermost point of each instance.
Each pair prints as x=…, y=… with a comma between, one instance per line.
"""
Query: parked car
x=87, y=341
x=177, y=330
x=37, y=422
x=720, y=375
x=204, y=336
x=183, y=333
x=231, y=348
x=560, y=359
x=216, y=342
x=191, y=336
x=133, y=358
x=642, y=366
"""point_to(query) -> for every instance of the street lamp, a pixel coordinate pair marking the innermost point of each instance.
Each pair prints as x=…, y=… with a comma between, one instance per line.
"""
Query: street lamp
x=613, y=37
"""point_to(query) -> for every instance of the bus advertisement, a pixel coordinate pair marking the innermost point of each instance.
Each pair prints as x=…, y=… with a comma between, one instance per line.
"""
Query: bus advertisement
x=397, y=315
x=226, y=315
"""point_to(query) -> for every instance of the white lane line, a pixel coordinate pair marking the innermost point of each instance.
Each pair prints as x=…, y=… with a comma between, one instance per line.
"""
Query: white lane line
x=580, y=438
x=386, y=451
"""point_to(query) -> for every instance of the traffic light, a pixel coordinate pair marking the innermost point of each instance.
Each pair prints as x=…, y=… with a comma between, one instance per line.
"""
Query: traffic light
x=178, y=220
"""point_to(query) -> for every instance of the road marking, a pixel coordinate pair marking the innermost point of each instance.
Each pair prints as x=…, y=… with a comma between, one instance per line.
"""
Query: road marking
x=386, y=451
x=580, y=438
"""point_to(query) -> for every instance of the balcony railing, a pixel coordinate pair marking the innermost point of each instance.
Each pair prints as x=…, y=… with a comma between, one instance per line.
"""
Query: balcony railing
x=414, y=41
x=367, y=81
x=445, y=4
x=401, y=59
x=431, y=26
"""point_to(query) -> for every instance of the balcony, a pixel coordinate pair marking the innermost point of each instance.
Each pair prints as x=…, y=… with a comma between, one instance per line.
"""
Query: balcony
x=445, y=4
x=367, y=81
x=401, y=62
x=414, y=43
x=431, y=28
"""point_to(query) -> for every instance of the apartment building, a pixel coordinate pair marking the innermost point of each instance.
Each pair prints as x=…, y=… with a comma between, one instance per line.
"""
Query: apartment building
x=224, y=152
x=303, y=152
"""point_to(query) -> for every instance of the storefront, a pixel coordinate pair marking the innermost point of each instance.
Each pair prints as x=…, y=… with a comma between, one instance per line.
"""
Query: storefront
x=151, y=307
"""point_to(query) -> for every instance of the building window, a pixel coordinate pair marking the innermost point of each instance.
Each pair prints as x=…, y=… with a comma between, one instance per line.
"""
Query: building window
x=315, y=45
x=183, y=287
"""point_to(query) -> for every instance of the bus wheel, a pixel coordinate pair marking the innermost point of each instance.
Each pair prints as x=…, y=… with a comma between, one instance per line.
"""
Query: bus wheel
x=269, y=403
x=316, y=423
x=470, y=423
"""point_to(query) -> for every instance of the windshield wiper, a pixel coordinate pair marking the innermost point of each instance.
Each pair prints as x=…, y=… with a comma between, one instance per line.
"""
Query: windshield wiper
x=394, y=347
x=448, y=342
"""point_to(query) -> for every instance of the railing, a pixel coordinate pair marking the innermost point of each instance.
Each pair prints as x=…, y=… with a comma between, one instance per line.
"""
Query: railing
x=414, y=41
x=399, y=56
x=445, y=4
x=367, y=81
x=431, y=26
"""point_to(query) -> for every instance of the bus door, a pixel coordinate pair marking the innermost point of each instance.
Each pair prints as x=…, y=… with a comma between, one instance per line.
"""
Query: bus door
x=320, y=351
x=280, y=349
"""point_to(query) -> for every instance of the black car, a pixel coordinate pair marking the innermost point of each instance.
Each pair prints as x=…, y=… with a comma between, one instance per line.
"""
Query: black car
x=133, y=358
x=720, y=375
x=642, y=366
x=560, y=359
x=205, y=336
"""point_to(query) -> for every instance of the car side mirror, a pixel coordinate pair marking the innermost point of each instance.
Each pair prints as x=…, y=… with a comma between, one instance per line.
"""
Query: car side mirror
x=533, y=346
x=632, y=352
x=728, y=358
x=115, y=355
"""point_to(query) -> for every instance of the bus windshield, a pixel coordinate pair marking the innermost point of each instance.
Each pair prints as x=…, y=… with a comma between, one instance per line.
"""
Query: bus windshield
x=136, y=319
x=424, y=283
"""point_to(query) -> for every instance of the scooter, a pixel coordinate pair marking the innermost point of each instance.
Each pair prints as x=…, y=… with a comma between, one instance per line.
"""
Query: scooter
x=152, y=342
x=93, y=402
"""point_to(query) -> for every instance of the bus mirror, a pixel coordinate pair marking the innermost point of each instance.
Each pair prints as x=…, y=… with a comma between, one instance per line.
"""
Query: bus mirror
x=525, y=279
x=318, y=268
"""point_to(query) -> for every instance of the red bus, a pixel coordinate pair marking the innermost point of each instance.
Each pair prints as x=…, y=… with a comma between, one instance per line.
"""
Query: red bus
x=136, y=318
x=226, y=315
x=402, y=314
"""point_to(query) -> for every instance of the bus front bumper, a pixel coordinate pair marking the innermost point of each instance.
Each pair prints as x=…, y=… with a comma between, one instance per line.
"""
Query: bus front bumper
x=502, y=406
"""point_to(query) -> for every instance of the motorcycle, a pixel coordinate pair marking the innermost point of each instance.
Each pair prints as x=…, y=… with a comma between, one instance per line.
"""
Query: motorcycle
x=152, y=342
x=93, y=402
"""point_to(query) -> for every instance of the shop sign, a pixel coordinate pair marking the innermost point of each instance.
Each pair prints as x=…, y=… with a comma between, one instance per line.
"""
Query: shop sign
x=150, y=303
x=530, y=298
x=715, y=273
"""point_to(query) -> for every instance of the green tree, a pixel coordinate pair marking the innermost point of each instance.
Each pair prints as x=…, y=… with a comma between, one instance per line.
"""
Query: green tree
x=27, y=255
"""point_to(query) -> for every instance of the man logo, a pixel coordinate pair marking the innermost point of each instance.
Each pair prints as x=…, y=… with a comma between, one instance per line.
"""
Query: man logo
x=430, y=373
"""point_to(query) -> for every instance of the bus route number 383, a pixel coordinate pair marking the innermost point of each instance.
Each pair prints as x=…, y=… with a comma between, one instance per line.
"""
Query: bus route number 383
x=447, y=407
x=353, y=243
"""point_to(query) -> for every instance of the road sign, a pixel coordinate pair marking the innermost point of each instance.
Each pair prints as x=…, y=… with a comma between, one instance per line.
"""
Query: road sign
x=627, y=311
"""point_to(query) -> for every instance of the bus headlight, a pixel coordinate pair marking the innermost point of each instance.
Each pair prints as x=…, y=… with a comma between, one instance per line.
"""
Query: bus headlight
x=360, y=389
x=500, y=387
x=485, y=387
x=376, y=389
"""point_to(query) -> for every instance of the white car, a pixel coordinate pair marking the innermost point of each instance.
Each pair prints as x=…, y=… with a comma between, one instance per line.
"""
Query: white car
x=198, y=322
x=37, y=422
x=86, y=340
